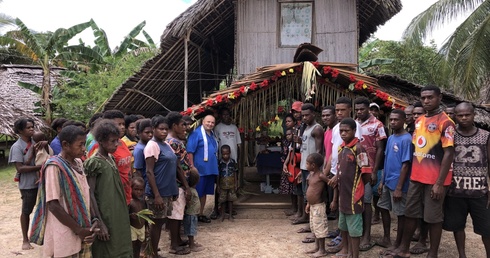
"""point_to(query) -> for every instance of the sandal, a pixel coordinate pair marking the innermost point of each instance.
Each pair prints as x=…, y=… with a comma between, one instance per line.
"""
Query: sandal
x=333, y=234
x=308, y=240
x=214, y=215
x=335, y=242
x=304, y=230
x=204, y=219
x=180, y=251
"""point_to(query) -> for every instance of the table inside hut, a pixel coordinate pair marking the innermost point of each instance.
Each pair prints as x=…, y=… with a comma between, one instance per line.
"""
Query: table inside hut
x=269, y=162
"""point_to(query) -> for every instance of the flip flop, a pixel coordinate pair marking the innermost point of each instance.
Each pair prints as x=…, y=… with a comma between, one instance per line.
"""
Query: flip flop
x=379, y=243
x=367, y=247
x=299, y=221
x=308, y=240
x=180, y=251
x=204, y=219
x=335, y=242
x=304, y=230
x=418, y=249
x=333, y=234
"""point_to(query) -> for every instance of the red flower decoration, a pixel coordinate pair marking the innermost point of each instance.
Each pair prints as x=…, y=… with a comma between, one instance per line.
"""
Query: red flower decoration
x=277, y=74
x=188, y=111
x=316, y=64
x=359, y=85
x=225, y=98
x=298, y=69
x=327, y=70
x=200, y=110
x=280, y=109
x=265, y=123
x=274, y=78
x=253, y=86
x=370, y=89
x=209, y=102
x=242, y=89
x=352, y=78
x=219, y=98
x=237, y=93
x=335, y=73
x=388, y=103
x=264, y=84
x=241, y=130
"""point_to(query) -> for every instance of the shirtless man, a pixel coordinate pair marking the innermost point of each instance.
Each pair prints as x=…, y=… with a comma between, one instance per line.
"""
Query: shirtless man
x=316, y=206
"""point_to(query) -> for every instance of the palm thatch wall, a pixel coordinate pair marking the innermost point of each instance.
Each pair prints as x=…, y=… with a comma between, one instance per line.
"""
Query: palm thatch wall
x=209, y=27
x=9, y=114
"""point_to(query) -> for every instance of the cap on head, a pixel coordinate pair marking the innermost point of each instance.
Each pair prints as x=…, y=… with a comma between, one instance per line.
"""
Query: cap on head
x=296, y=106
x=374, y=105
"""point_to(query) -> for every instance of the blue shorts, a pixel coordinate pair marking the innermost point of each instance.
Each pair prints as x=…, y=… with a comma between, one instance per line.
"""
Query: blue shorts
x=190, y=225
x=206, y=185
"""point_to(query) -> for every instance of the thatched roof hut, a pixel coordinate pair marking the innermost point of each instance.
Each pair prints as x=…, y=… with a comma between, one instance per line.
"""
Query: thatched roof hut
x=9, y=114
x=410, y=92
x=209, y=28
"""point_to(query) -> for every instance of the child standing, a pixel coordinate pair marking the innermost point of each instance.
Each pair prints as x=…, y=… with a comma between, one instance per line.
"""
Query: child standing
x=353, y=172
x=316, y=205
x=228, y=171
x=191, y=211
x=41, y=152
x=136, y=205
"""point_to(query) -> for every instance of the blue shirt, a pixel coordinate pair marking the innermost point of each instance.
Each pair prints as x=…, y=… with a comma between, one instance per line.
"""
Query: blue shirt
x=195, y=145
x=56, y=145
x=398, y=150
x=139, y=159
x=165, y=171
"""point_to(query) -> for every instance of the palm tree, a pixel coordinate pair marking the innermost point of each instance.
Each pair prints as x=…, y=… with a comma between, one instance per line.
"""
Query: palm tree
x=48, y=51
x=466, y=51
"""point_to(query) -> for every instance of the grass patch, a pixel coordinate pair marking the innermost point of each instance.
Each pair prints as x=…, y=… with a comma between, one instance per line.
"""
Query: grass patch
x=7, y=173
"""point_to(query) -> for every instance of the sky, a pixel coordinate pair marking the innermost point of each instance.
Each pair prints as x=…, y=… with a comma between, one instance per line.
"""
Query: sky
x=119, y=17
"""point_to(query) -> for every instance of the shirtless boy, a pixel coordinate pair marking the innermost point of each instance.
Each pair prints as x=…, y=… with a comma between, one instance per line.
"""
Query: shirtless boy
x=316, y=206
x=136, y=205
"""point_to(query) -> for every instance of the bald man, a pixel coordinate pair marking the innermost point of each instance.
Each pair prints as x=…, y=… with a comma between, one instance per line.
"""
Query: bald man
x=202, y=148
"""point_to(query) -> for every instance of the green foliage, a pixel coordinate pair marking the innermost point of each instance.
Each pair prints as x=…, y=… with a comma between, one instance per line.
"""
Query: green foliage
x=83, y=93
x=413, y=62
x=466, y=51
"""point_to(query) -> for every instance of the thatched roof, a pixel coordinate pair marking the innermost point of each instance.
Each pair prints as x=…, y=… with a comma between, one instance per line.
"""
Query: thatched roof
x=9, y=114
x=410, y=92
x=158, y=86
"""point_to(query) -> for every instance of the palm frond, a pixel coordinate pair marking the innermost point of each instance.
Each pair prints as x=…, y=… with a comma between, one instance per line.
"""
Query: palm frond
x=149, y=39
x=125, y=44
x=32, y=87
x=61, y=36
x=101, y=40
x=30, y=42
x=19, y=46
x=80, y=53
x=438, y=14
x=473, y=61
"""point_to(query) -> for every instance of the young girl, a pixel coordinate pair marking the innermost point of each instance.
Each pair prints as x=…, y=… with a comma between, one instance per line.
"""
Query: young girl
x=191, y=212
x=161, y=190
x=19, y=155
x=145, y=133
x=137, y=204
x=62, y=222
x=107, y=193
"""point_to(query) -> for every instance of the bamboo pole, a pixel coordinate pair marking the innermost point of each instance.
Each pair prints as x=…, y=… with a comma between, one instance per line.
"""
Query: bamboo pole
x=186, y=68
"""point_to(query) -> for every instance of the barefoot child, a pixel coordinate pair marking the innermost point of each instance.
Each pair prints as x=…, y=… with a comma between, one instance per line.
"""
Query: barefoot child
x=316, y=206
x=228, y=171
x=191, y=211
x=353, y=173
x=136, y=205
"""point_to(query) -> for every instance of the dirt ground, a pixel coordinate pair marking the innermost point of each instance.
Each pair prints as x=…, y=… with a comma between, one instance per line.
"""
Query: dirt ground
x=255, y=233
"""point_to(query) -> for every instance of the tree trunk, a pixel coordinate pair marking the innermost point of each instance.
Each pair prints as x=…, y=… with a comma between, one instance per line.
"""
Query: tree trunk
x=46, y=93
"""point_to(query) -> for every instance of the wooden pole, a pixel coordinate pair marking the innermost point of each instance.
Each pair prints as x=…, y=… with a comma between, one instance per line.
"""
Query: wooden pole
x=186, y=68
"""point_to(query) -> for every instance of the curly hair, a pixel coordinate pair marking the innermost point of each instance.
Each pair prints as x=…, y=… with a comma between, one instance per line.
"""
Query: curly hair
x=105, y=128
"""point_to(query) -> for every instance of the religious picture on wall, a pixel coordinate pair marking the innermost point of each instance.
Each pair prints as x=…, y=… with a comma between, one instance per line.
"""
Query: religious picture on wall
x=295, y=23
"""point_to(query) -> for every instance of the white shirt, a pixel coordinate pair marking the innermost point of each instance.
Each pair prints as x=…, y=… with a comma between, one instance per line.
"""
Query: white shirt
x=337, y=141
x=228, y=135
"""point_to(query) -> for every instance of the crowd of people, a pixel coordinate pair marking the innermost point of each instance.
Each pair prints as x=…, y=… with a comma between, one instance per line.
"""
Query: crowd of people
x=433, y=161
x=157, y=171
x=342, y=177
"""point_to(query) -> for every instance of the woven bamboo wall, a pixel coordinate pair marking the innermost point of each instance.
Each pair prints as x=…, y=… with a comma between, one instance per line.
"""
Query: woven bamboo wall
x=334, y=30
